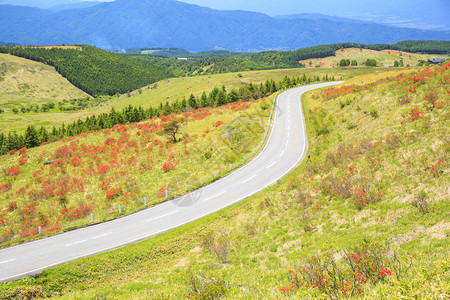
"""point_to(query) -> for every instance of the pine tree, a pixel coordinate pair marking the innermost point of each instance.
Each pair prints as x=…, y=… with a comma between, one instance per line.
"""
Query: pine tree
x=221, y=98
x=204, y=100
x=43, y=135
x=31, y=137
x=192, y=102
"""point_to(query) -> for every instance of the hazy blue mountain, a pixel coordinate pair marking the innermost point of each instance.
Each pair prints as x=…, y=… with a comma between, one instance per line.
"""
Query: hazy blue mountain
x=7, y=44
x=77, y=5
x=311, y=16
x=38, y=3
x=172, y=24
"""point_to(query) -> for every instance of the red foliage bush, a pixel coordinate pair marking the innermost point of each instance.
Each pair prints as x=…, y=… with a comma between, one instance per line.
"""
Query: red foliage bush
x=13, y=171
x=415, y=114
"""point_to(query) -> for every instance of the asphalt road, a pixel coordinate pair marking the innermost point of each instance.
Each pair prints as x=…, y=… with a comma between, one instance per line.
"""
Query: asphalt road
x=285, y=148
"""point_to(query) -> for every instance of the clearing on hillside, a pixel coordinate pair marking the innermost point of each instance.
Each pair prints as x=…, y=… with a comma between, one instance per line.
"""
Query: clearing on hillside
x=25, y=86
x=385, y=58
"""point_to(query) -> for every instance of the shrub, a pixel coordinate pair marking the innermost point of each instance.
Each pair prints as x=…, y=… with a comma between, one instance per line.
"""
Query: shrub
x=168, y=165
x=219, y=245
x=374, y=113
x=415, y=114
x=202, y=288
x=365, y=264
x=420, y=202
x=13, y=171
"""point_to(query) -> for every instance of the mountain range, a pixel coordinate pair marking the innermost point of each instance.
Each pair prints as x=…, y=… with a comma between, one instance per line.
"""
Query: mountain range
x=170, y=23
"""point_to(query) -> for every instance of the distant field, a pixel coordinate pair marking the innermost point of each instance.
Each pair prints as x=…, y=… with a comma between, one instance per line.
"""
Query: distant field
x=177, y=88
x=149, y=51
x=384, y=57
x=60, y=47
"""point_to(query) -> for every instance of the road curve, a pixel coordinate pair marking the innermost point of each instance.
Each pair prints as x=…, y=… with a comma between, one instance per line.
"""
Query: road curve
x=286, y=146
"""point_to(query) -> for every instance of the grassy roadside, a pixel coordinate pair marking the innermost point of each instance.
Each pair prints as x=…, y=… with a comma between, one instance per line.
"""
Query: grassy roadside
x=110, y=173
x=379, y=173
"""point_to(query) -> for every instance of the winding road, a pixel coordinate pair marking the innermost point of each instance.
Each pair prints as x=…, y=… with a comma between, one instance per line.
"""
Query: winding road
x=285, y=148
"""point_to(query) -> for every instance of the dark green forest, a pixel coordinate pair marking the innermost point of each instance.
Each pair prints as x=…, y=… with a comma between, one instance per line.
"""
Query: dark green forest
x=34, y=137
x=99, y=72
x=95, y=71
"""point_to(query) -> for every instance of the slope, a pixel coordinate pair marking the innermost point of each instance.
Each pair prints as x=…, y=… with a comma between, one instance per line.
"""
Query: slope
x=384, y=57
x=377, y=178
x=27, y=85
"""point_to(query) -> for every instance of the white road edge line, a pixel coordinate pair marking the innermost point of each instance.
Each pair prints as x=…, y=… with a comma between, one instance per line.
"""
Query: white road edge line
x=210, y=198
x=163, y=216
x=7, y=261
x=271, y=165
x=79, y=242
x=100, y=236
x=245, y=181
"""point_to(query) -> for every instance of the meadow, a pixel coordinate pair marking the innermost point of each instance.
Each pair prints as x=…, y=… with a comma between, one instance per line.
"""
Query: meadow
x=366, y=217
x=27, y=84
x=108, y=173
x=38, y=87
x=383, y=58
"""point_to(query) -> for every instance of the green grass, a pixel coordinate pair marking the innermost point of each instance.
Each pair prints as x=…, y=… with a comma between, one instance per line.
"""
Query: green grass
x=306, y=213
x=48, y=89
x=26, y=83
x=88, y=176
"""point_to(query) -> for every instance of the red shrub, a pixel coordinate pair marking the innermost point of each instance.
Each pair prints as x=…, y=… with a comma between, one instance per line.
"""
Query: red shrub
x=13, y=171
x=415, y=114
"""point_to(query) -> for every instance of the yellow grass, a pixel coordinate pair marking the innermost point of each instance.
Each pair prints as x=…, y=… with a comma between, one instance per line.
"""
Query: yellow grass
x=26, y=82
x=384, y=57
x=59, y=47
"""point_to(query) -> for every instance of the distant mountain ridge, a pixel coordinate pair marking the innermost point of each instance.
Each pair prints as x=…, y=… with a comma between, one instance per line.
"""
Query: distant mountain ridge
x=168, y=23
x=84, y=4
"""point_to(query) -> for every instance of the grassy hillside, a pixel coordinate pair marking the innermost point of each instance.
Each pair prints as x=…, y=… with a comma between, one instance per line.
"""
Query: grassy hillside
x=367, y=217
x=57, y=185
x=168, y=90
x=383, y=58
x=25, y=84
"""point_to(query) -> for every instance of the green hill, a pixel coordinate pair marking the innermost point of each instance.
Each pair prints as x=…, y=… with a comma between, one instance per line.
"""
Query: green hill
x=365, y=218
x=95, y=71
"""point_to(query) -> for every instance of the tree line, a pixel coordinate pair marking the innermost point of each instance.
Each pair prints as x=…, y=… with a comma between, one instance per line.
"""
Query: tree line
x=34, y=137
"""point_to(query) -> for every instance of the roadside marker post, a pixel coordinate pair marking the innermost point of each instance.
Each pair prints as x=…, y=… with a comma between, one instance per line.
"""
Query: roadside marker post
x=185, y=186
x=120, y=210
x=92, y=218
x=167, y=193
x=40, y=229
x=145, y=201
